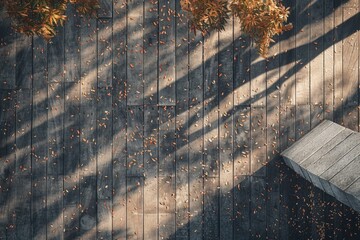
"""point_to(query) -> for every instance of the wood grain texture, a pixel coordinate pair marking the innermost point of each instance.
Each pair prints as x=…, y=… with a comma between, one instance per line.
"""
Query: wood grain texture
x=130, y=126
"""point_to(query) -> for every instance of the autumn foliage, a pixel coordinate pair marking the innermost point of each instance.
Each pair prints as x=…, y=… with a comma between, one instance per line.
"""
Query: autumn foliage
x=41, y=17
x=260, y=19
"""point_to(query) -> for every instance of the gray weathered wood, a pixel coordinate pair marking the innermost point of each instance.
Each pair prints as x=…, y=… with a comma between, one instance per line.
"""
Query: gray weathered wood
x=71, y=45
x=166, y=52
x=88, y=209
x=258, y=207
x=226, y=104
x=23, y=62
x=151, y=51
x=39, y=139
x=135, y=220
x=105, y=50
x=119, y=121
x=135, y=137
x=104, y=143
x=242, y=141
x=151, y=161
x=104, y=219
x=135, y=85
x=106, y=9
x=7, y=52
x=332, y=161
x=54, y=208
x=242, y=201
x=195, y=135
x=182, y=125
x=56, y=112
x=23, y=131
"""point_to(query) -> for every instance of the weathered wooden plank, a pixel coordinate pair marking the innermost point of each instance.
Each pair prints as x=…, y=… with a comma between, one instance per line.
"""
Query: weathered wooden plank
x=287, y=69
x=316, y=64
x=344, y=155
x=335, y=149
x=88, y=116
x=226, y=104
x=258, y=207
x=134, y=208
x=23, y=61
x=258, y=143
x=72, y=45
x=182, y=125
x=104, y=219
x=350, y=72
x=211, y=113
x=104, y=48
x=71, y=189
x=135, y=154
x=151, y=50
x=242, y=200
x=325, y=148
x=71, y=221
x=302, y=28
x=9, y=129
x=7, y=52
x=272, y=143
x=329, y=88
x=71, y=128
x=338, y=66
x=258, y=79
x=151, y=55
x=345, y=177
x=88, y=97
x=135, y=85
x=88, y=207
x=71, y=143
x=54, y=211
x=23, y=131
x=211, y=163
x=211, y=208
x=196, y=144
x=39, y=139
x=104, y=143
x=166, y=52
x=56, y=112
x=56, y=58
x=287, y=137
x=167, y=148
x=119, y=121
x=353, y=195
x=151, y=161
x=242, y=141
x=16, y=212
x=167, y=207
x=242, y=89
x=106, y=9
x=167, y=141
x=4, y=182
x=305, y=150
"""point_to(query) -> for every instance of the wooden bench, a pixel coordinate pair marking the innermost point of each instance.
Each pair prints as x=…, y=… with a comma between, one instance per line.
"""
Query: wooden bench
x=329, y=157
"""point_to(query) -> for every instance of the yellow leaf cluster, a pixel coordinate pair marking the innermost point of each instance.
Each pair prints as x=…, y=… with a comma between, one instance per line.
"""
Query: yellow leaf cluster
x=206, y=15
x=260, y=19
x=42, y=17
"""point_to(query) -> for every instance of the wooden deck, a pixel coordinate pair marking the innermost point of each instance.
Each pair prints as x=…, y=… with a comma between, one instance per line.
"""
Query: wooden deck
x=129, y=126
x=328, y=156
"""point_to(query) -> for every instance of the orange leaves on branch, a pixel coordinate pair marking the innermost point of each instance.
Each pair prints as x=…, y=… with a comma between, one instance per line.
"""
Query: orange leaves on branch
x=42, y=17
x=260, y=19
x=207, y=15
